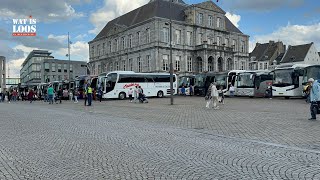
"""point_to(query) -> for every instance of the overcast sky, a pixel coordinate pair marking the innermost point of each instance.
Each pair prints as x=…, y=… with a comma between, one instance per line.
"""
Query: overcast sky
x=291, y=21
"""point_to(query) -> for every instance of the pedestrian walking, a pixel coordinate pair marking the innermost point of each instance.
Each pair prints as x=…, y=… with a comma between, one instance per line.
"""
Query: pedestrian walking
x=314, y=98
x=89, y=95
x=30, y=95
x=76, y=94
x=231, y=90
x=130, y=93
x=59, y=96
x=183, y=91
x=191, y=90
x=100, y=93
x=212, y=96
x=136, y=93
x=85, y=97
x=221, y=95
x=70, y=94
x=50, y=93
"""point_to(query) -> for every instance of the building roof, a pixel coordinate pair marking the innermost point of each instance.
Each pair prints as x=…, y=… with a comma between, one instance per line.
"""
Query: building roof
x=37, y=53
x=296, y=53
x=278, y=59
x=259, y=51
x=155, y=8
x=64, y=61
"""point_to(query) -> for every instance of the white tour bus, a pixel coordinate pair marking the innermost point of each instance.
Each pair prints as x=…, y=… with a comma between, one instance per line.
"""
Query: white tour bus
x=242, y=81
x=117, y=84
x=287, y=80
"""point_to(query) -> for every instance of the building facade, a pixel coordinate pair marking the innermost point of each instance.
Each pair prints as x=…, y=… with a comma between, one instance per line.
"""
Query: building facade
x=57, y=70
x=301, y=54
x=41, y=67
x=30, y=73
x=2, y=73
x=203, y=39
x=263, y=55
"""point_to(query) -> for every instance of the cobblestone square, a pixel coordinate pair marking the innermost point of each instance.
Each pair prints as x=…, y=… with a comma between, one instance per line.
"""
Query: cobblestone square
x=247, y=138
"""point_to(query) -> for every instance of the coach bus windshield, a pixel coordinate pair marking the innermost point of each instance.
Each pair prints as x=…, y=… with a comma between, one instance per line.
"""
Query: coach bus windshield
x=282, y=77
x=245, y=80
x=221, y=80
x=311, y=72
x=111, y=81
x=200, y=80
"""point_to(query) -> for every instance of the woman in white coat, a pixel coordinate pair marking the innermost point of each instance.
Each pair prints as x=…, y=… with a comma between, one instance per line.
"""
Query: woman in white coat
x=212, y=96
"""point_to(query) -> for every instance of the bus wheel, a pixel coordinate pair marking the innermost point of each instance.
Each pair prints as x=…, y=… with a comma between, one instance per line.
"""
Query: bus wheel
x=160, y=94
x=122, y=96
x=286, y=97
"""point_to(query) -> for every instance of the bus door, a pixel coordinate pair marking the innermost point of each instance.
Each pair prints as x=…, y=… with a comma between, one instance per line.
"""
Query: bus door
x=231, y=79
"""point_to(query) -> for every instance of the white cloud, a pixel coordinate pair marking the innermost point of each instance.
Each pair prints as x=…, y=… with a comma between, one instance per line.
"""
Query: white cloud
x=79, y=50
x=15, y=66
x=44, y=11
x=234, y=18
x=262, y=5
x=111, y=10
x=292, y=35
x=62, y=38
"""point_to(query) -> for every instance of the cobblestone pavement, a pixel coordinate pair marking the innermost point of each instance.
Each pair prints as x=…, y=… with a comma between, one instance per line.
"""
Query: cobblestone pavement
x=244, y=139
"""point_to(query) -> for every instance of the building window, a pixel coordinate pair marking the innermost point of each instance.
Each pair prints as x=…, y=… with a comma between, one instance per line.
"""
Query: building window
x=148, y=35
x=189, y=38
x=116, y=45
x=53, y=67
x=148, y=62
x=200, y=38
x=219, y=41
x=166, y=35
x=92, y=51
x=210, y=22
x=65, y=68
x=124, y=65
x=226, y=42
x=139, y=64
x=123, y=40
x=139, y=37
x=165, y=62
x=98, y=49
x=110, y=46
x=71, y=68
x=242, y=46
x=59, y=78
x=117, y=66
x=234, y=44
x=178, y=63
x=103, y=48
x=130, y=65
x=218, y=22
x=242, y=65
x=178, y=36
x=200, y=18
x=265, y=65
x=130, y=41
x=59, y=67
x=46, y=67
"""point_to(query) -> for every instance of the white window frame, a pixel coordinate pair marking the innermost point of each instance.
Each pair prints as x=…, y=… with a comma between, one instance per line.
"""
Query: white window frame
x=177, y=63
x=165, y=61
x=210, y=21
x=178, y=36
x=166, y=35
x=189, y=64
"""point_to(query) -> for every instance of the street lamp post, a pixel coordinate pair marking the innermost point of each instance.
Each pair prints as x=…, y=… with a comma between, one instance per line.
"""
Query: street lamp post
x=171, y=65
x=69, y=61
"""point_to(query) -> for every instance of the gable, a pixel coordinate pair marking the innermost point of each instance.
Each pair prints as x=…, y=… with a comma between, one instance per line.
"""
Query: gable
x=209, y=5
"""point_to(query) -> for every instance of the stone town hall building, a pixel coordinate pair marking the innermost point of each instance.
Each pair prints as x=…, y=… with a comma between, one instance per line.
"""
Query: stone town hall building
x=203, y=39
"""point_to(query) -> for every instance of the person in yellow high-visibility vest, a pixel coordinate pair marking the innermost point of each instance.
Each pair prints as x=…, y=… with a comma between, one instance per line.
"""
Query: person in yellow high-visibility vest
x=89, y=95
